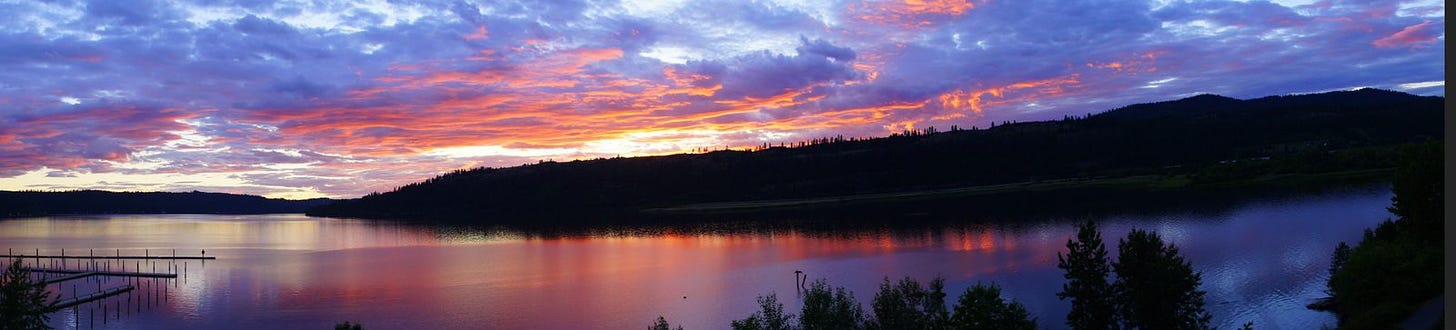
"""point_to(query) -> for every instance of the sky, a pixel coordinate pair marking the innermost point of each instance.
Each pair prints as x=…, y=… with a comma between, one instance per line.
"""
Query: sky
x=303, y=99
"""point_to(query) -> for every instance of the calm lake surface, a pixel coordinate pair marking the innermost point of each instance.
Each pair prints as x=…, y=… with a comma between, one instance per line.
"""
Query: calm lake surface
x=1262, y=260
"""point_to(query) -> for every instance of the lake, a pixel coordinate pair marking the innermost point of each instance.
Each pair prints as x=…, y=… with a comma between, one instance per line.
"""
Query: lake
x=1262, y=259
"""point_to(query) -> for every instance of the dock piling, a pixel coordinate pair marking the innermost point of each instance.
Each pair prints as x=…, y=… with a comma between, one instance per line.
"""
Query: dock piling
x=141, y=288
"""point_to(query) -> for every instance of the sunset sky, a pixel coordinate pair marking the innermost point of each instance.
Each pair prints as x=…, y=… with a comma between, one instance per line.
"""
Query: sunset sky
x=301, y=99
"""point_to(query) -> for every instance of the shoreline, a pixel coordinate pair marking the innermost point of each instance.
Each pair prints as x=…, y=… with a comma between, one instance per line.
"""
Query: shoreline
x=1139, y=183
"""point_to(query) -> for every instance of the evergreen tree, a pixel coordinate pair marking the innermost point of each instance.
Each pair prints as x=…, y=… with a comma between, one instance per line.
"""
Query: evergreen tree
x=1156, y=288
x=24, y=303
x=1086, y=267
x=981, y=307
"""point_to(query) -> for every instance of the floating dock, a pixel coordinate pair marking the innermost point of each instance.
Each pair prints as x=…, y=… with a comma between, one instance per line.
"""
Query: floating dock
x=78, y=273
x=91, y=297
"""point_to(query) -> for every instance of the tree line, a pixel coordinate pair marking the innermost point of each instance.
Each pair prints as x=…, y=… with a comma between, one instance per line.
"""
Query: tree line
x=42, y=203
x=1192, y=138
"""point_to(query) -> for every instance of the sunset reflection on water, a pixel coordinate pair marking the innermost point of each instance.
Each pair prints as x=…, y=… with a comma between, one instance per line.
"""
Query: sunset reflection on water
x=299, y=272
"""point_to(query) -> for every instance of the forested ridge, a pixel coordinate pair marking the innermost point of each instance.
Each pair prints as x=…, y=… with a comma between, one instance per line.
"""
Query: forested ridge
x=1205, y=138
x=41, y=203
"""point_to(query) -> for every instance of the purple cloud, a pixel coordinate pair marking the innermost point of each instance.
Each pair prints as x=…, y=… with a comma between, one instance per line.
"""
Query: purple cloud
x=338, y=99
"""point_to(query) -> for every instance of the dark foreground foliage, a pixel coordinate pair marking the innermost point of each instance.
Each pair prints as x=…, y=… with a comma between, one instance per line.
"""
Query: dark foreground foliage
x=661, y=324
x=902, y=305
x=24, y=303
x=1086, y=267
x=1398, y=265
x=1154, y=289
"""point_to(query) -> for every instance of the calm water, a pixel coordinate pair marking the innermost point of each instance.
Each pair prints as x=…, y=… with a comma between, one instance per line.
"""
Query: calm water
x=1262, y=261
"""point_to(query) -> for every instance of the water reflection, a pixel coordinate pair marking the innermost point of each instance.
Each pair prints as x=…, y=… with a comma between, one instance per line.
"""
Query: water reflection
x=1262, y=260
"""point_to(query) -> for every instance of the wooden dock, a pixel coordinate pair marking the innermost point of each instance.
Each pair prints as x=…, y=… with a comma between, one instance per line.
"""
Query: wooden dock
x=23, y=256
x=66, y=278
x=91, y=297
x=141, y=290
x=96, y=273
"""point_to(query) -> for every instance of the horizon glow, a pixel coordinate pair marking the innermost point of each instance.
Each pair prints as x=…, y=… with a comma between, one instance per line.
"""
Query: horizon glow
x=341, y=98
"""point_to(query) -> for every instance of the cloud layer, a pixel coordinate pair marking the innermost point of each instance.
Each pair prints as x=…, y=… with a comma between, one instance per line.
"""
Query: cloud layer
x=324, y=98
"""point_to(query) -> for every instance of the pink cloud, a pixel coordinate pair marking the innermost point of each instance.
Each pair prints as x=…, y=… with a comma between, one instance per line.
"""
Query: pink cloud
x=1413, y=36
x=84, y=139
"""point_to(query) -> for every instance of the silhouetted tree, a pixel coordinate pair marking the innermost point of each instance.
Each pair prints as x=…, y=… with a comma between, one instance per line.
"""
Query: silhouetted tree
x=770, y=316
x=1086, y=269
x=1419, y=188
x=830, y=309
x=908, y=305
x=1155, y=287
x=24, y=303
x=981, y=307
x=661, y=324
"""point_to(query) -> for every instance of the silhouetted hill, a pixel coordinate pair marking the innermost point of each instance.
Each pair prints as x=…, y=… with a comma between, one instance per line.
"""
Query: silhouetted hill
x=36, y=203
x=1205, y=138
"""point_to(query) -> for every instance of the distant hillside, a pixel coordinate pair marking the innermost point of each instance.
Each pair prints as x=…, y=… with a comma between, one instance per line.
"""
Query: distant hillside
x=34, y=203
x=1201, y=138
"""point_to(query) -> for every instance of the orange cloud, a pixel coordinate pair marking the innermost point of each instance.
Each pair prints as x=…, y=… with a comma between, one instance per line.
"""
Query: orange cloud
x=976, y=100
x=557, y=100
x=1138, y=63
